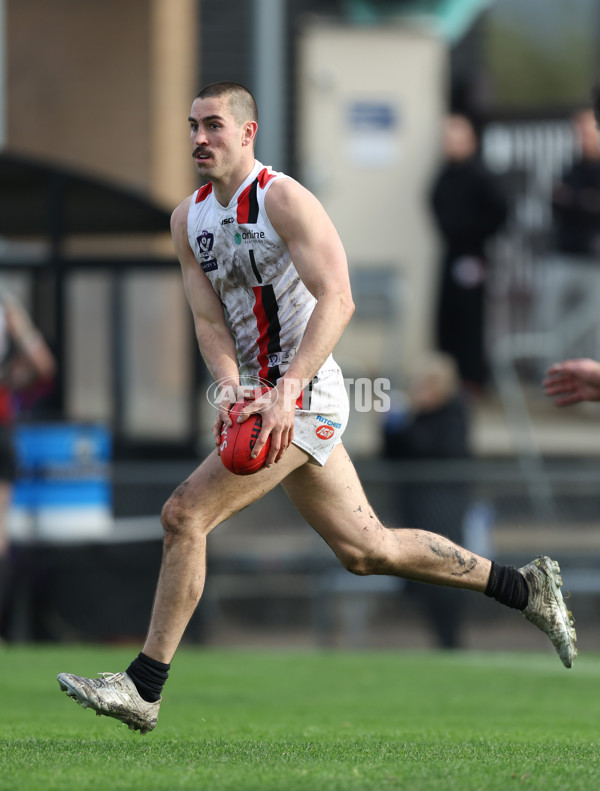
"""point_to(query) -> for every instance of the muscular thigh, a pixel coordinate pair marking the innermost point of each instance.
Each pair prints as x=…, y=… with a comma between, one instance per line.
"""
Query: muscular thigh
x=212, y=494
x=332, y=500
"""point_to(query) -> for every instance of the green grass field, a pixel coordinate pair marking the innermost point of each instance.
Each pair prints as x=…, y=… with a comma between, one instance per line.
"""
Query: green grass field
x=314, y=721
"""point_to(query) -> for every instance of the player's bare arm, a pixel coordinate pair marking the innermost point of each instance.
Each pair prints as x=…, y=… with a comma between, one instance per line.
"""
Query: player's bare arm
x=572, y=381
x=319, y=257
x=214, y=337
x=320, y=260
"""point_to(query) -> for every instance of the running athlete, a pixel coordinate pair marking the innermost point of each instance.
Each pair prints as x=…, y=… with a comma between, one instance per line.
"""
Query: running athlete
x=266, y=278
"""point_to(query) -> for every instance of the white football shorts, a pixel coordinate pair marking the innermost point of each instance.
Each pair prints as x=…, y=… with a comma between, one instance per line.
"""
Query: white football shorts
x=323, y=416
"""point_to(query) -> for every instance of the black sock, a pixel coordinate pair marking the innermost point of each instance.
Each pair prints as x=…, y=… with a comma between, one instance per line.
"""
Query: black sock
x=508, y=586
x=149, y=677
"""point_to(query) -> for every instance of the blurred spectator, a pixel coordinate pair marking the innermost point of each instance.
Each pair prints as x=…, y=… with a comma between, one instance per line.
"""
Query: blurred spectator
x=573, y=277
x=469, y=207
x=25, y=362
x=434, y=426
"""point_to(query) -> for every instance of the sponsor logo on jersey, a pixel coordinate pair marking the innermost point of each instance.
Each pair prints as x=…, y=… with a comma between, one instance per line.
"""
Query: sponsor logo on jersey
x=280, y=358
x=327, y=422
x=249, y=236
x=209, y=264
x=227, y=221
x=325, y=432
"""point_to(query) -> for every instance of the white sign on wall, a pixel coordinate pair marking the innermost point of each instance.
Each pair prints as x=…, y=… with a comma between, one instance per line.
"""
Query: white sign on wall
x=372, y=136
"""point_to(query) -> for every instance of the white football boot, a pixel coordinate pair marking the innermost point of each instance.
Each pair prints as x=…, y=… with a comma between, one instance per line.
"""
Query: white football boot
x=546, y=608
x=114, y=695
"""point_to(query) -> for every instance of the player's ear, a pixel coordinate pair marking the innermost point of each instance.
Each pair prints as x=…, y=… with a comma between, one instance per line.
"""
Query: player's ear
x=249, y=132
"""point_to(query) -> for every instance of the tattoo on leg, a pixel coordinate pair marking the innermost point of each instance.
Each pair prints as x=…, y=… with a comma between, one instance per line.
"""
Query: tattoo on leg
x=467, y=565
x=436, y=549
x=450, y=552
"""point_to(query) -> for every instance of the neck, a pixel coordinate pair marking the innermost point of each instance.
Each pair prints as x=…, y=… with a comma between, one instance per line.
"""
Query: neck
x=224, y=189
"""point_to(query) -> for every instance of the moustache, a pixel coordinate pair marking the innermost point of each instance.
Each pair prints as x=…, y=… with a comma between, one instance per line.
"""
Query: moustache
x=197, y=151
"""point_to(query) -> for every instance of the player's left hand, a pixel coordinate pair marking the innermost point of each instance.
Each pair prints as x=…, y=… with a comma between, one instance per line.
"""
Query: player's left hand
x=277, y=422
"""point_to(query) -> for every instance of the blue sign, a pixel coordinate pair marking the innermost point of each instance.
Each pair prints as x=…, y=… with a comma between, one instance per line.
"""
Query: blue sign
x=365, y=115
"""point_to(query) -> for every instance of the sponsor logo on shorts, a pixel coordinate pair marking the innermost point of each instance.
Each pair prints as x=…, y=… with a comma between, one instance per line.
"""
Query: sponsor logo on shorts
x=328, y=422
x=325, y=432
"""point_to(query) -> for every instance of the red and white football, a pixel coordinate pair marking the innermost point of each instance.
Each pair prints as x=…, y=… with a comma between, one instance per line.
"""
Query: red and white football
x=238, y=440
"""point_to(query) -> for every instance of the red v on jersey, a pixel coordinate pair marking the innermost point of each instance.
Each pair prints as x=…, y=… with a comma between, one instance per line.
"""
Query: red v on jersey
x=204, y=192
x=247, y=208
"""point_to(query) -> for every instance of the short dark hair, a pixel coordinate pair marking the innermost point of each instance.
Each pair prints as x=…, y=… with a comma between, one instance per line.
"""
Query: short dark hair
x=241, y=102
x=596, y=102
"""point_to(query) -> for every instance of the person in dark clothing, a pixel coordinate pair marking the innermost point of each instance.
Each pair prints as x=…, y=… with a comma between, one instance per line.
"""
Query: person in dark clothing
x=437, y=423
x=469, y=207
x=572, y=283
x=576, y=196
x=435, y=427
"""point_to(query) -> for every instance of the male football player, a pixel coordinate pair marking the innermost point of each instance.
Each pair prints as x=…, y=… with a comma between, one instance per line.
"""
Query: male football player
x=266, y=278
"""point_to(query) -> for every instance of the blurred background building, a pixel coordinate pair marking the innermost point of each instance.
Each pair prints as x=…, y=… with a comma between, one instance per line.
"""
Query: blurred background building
x=94, y=156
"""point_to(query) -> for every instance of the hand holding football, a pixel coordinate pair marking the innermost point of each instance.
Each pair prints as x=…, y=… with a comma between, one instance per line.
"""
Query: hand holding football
x=238, y=440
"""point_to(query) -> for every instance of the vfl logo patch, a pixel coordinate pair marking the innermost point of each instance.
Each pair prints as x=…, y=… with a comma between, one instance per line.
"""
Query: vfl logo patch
x=324, y=432
x=205, y=241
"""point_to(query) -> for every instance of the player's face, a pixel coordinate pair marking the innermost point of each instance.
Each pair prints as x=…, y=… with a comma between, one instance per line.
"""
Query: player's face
x=219, y=142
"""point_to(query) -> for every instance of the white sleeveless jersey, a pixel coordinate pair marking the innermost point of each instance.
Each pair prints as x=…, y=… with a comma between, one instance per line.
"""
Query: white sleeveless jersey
x=267, y=305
